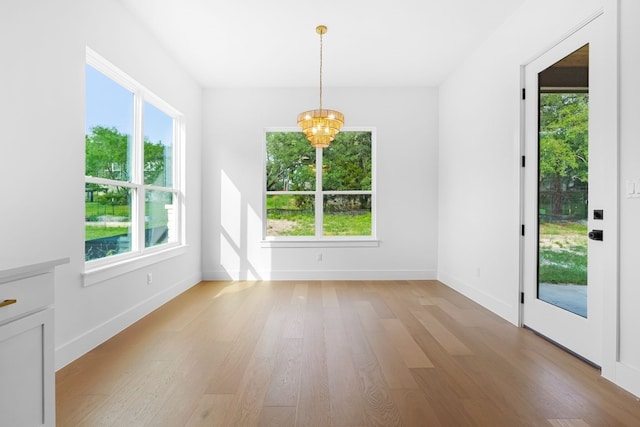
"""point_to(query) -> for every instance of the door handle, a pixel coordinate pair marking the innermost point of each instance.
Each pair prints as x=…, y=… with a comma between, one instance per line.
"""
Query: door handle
x=595, y=235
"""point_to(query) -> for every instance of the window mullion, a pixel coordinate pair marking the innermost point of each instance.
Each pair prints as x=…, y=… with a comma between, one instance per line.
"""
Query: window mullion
x=137, y=174
x=106, y=181
x=177, y=180
x=319, y=197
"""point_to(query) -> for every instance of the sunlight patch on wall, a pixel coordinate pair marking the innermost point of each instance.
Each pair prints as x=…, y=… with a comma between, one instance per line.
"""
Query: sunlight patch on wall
x=229, y=258
x=254, y=234
x=231, y=222
x=230, y=209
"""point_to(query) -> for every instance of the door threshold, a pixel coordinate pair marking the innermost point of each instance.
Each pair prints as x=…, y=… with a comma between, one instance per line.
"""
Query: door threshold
x=571, y=352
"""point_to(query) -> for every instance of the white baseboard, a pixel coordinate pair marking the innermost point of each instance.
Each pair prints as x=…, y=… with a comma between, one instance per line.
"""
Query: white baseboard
x=323, y=275
x=73, y=349
x=628, y=378
x=499, y=307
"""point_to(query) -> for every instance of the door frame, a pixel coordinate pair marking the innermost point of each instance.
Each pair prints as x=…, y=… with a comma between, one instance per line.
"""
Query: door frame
x=609, y=13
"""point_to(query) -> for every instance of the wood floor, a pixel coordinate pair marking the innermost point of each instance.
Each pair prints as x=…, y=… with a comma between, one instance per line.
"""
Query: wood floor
x=368, y=353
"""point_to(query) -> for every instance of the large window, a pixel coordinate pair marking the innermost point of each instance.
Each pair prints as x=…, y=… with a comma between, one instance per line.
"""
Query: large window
x=319, y=193
x=132, y=196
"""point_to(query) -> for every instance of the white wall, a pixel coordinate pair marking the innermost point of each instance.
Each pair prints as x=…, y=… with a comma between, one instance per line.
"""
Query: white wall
x=449, y=206
x=480, y=155
x=479, y=172
x=42, y=158
x=628, y=368
x=406, y=122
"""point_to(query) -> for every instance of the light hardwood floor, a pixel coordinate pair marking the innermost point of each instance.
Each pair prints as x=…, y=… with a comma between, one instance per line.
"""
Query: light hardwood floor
x=362, y=353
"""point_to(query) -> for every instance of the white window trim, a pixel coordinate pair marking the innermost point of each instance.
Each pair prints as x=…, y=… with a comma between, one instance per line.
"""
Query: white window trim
x=335, y=242
x=319, y=241
x=122, y=264
x=102, y=269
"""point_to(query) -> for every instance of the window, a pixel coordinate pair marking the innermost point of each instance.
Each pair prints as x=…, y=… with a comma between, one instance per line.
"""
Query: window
x=319, y=194
x=132, y=196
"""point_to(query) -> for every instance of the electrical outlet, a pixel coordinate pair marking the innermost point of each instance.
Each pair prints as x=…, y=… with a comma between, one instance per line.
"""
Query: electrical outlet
x=149, y=278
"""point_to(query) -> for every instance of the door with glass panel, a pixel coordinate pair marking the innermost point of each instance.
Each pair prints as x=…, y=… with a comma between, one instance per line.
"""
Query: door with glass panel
x=564, y=217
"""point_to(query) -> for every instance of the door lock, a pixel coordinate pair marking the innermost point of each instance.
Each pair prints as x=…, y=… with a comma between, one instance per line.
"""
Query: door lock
x=595, y=235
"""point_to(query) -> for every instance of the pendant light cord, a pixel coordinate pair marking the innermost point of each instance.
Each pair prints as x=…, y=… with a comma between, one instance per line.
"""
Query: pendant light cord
x=320, y=70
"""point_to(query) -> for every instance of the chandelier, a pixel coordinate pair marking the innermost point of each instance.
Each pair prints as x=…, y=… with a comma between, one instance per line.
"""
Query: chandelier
x=320, y=126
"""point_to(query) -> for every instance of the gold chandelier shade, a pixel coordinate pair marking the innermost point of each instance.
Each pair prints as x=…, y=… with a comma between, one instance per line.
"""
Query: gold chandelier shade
x=320, y=126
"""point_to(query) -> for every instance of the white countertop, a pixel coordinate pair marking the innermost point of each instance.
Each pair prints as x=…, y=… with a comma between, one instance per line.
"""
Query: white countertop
x=17, y=272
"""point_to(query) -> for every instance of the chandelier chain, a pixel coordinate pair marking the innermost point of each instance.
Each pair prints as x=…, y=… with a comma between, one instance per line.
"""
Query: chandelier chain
x=320, y=126
x=321, y=70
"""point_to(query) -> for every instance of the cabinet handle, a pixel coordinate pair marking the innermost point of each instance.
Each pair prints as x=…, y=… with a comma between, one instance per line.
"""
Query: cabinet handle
x=8, y=302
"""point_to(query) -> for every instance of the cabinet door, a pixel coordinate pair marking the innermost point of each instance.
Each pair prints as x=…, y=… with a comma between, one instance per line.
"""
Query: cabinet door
x=27, y=389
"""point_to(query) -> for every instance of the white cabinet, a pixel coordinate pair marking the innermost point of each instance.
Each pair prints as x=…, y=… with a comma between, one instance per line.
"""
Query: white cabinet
x=27, y=370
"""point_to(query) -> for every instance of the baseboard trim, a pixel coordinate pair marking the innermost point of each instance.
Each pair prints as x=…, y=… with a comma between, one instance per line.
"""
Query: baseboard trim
x=323, y=275
x=73, y=349
x=628, y=378
x=499, y=307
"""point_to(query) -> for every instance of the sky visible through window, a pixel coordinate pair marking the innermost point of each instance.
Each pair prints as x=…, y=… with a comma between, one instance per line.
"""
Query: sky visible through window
x=110, y=105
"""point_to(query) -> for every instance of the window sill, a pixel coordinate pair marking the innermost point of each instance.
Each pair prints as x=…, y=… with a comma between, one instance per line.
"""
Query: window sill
x=307, y=243
x=92, y=276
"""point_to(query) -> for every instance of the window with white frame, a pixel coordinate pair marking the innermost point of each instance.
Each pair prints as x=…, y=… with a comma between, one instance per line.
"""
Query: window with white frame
x=319, y=194
x=132, y=192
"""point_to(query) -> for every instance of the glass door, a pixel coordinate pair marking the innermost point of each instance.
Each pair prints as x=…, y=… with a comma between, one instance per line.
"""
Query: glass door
x=565, y=168
x=563, y=182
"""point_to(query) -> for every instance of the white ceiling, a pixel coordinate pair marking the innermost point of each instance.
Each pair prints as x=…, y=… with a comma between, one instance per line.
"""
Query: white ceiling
x=273, y=43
